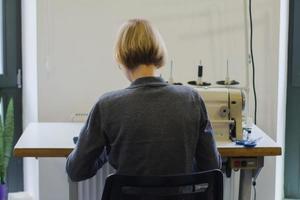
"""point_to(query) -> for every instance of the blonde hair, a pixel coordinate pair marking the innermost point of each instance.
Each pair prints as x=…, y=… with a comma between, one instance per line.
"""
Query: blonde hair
x=138, y=42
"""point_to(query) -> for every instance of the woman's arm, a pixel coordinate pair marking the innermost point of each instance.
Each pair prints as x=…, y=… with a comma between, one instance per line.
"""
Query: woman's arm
x=207, y=155
x=89, y=154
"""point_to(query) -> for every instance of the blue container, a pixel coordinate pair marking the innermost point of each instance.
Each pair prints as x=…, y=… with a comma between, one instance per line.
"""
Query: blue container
x=3, y=192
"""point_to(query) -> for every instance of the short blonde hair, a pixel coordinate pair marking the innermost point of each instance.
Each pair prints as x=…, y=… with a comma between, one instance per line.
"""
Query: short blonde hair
x=138, y=42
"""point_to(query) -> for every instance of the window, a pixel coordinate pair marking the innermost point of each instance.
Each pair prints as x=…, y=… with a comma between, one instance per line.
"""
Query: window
x=1, y=108
x=10, y=65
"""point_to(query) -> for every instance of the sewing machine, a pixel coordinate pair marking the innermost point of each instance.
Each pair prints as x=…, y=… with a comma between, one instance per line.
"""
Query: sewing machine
x=224, y=107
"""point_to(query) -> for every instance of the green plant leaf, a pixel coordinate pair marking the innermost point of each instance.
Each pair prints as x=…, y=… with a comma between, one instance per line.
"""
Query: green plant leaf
x=9, y=129
x=2, y=168
x=6, y=140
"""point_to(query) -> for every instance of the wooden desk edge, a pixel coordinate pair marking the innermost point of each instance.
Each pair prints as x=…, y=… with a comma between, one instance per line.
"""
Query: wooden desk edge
x=250, y=152
x=31, y=152
x=225, y=152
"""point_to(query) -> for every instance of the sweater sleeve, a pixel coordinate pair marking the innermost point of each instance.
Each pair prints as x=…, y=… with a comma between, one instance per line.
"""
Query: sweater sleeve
x=90, y=153
x=207, y=155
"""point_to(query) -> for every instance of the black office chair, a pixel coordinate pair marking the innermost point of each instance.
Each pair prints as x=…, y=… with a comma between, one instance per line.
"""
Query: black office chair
x=206, y=185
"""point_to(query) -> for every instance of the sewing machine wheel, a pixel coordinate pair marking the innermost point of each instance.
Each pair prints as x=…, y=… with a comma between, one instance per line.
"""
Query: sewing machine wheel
x=224, y=111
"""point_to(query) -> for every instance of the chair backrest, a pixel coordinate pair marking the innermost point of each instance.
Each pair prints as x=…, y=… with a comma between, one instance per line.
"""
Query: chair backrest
x=206, y=185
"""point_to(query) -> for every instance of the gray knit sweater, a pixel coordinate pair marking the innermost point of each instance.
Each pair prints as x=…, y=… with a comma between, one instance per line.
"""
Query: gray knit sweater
x=149, y=128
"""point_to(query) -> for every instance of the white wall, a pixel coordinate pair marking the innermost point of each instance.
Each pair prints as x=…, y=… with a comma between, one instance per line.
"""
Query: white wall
x=282, y=80
x=266, y=44
x=30, y=101
x=76, y=40
x=75, y=47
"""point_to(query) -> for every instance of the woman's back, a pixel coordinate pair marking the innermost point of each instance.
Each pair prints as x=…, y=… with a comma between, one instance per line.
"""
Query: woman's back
x=149, y=128
x=152, y=127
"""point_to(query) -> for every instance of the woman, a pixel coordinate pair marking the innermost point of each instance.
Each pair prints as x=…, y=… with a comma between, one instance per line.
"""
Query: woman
x=149, y=128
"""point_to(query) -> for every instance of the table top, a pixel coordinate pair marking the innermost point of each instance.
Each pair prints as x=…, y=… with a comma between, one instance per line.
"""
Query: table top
x=56, y=140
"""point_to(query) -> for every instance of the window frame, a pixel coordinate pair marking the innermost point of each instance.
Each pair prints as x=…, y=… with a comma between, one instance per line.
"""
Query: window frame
x=11, y=11
x=9, y=85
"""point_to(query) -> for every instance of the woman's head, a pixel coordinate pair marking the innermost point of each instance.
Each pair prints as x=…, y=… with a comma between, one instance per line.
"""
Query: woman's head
x=139, y=43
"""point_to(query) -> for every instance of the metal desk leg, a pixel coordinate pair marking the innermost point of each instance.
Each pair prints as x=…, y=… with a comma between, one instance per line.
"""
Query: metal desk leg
x=246, y=178
x=73, y=190
x=245, y=184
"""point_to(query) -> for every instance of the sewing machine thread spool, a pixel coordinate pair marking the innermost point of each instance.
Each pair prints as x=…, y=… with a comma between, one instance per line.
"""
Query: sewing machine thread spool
x=200, y=73
x=227, y=80
x=199, y=81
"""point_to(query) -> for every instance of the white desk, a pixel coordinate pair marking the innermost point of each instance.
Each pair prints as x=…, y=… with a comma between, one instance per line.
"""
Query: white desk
x=56, y=140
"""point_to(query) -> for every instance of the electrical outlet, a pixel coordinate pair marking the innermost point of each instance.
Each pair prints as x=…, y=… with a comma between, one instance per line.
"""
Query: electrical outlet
x=79, y=117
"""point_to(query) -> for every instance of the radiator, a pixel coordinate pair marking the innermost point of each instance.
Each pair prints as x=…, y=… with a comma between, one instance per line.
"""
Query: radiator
x=91, y=189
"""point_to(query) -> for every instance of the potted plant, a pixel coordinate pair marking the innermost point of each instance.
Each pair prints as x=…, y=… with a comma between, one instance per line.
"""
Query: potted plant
x=6, y=144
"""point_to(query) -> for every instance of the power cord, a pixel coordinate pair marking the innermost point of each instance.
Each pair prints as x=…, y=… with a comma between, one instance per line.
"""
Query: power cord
x=254, y=189
x=252, y=61
x=253, y=81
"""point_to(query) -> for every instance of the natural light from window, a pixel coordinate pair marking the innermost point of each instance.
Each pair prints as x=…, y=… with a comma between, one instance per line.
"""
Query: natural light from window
x=1, y=108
